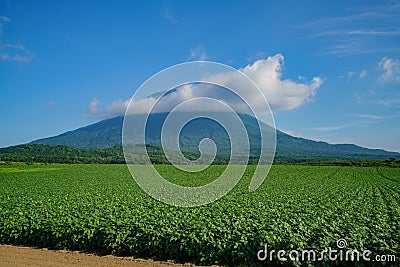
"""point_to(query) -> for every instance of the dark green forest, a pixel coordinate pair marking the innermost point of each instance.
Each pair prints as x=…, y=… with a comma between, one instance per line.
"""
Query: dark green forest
x=114, y=155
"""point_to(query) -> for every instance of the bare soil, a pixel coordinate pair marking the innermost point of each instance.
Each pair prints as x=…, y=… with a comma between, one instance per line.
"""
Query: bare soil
x=26, y=256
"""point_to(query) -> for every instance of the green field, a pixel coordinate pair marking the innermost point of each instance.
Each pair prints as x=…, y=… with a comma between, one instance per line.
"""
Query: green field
x=100, y=208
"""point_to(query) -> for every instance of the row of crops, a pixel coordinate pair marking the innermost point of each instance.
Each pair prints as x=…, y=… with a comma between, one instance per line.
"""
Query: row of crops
x=100, y=208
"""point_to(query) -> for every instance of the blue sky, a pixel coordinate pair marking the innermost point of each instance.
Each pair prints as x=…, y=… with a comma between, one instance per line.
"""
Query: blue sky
x=66, y=64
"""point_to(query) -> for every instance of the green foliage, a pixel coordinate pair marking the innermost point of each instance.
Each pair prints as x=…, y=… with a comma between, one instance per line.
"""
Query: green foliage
x=30, y=153
x=392, y=162
x=100, y=208
x=61, y=154
x=64, y=154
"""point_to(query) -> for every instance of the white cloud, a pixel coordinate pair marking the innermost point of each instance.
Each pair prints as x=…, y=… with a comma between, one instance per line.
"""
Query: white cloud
x=379, y=33
x=15, y=52
x=359, y=32
x=370, y=120
x=391, y=68
x=350, y=74
x=168, y=15
x=15, y=57
x=12, y=52
x=330, y=128
x=3, y=20
x=282, y=94
x=118, y=108
x=198, y=53
x=92, y=109
x=257, y=56
x=328, y=22
x=367, y=116
x=51, y=104
x=358, y=98
x=388, y=102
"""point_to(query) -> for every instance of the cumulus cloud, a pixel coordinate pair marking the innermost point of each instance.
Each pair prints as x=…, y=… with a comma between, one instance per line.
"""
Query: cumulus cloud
x=391, y=68
x=92, y=109
x=118, y=108
x=257, y=56
x=282, y=94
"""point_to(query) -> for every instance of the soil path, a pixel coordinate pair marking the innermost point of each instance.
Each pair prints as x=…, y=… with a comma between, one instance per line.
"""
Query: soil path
x=26, y=256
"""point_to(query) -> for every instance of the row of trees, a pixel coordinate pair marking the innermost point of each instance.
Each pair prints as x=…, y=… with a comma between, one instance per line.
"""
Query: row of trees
x=392, y=162
x=60, y=154
x=65, y=154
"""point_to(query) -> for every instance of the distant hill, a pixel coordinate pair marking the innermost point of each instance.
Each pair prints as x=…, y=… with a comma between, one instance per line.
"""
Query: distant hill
x=107, y=134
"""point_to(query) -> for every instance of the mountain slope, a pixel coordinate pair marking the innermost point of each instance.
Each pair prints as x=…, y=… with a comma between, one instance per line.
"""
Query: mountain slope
x=107, y=133
x=103, y=134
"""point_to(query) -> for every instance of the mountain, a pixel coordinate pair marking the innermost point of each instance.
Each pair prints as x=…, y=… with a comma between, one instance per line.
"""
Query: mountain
x=103, y=134
x=107, y=134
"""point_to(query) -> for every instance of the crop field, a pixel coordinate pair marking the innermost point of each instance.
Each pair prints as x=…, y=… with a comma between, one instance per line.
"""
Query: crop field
x=100, y=208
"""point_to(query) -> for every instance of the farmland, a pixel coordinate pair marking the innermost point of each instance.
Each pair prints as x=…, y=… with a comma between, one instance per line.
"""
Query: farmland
x=100, y=208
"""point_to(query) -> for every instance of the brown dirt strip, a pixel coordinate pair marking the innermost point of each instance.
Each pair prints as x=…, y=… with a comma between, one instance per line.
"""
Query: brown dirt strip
x=26, y=256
